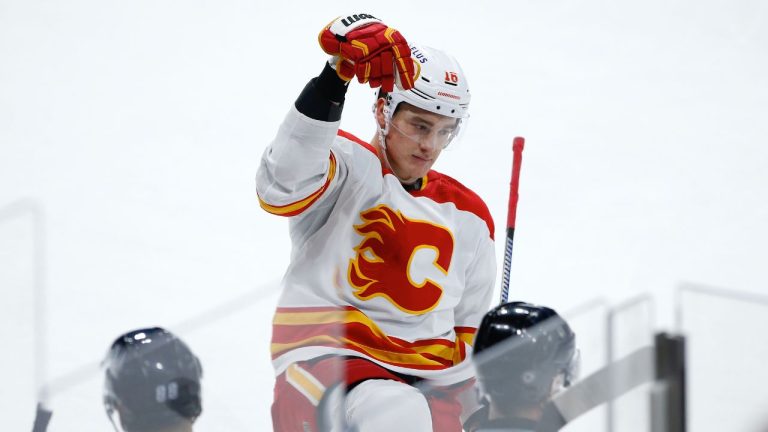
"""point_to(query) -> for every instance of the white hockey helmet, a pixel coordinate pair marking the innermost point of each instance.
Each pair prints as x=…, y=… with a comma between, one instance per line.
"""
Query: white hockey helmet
x=441, y=87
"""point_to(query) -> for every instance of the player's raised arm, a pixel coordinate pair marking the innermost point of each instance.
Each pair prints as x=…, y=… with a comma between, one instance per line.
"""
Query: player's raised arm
x=298, y=168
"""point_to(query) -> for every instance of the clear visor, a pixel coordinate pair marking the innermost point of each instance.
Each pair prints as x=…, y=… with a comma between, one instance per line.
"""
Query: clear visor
x=423, y=134
x=437, y=135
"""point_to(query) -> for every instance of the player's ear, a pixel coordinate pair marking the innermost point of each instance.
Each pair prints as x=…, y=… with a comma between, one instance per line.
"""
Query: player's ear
x=378, y=111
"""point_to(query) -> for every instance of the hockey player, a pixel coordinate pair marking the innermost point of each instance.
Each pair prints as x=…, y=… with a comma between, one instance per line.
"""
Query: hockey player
x=524, y=354
x=152, y=383
x=393, y=263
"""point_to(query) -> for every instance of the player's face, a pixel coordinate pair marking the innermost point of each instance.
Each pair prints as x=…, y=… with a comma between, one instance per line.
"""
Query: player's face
x=415, y=139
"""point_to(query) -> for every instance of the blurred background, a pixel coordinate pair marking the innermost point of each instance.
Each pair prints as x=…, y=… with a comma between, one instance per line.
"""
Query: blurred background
x=130, y=133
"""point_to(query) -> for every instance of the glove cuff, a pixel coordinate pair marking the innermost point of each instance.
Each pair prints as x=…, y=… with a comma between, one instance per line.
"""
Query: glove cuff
x=323, y=96
x=330, y=85
x=343, y=25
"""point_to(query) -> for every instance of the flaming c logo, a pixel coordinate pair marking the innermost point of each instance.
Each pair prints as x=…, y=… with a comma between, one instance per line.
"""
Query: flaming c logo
x=383, y=259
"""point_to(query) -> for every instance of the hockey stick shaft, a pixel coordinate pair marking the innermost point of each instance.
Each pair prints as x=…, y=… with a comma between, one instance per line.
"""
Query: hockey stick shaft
x=517, y=150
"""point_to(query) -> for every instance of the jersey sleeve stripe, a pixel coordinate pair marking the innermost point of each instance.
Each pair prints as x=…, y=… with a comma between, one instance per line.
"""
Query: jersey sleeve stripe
x=298, y=207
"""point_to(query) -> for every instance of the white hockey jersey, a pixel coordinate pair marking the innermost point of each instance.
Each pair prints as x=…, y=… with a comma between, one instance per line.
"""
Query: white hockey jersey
x=399, y=277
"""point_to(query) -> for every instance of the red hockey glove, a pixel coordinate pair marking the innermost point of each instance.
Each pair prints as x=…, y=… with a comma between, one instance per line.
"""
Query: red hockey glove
x=370, y=50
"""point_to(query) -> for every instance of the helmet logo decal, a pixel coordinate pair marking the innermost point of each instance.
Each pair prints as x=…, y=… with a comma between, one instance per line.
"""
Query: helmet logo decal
x=383, y=259
x=448, y=95
x=417, y=69
x=417, y=55
x=451, y=78
x=348, y=21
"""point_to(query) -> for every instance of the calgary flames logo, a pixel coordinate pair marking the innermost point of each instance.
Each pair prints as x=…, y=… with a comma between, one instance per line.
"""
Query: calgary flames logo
x=382, y=265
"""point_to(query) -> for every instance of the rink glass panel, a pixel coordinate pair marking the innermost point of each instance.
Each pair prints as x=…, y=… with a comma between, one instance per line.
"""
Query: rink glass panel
x=17, y=307
x=590, y=325
x=604, y=335
x=726, y=350
x=630, y=327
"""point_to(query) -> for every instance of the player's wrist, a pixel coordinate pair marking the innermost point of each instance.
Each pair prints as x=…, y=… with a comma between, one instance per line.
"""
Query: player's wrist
x=330, y=85
x=323, y=96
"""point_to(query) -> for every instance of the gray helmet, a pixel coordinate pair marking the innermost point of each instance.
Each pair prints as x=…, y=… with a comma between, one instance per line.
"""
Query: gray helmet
x=520, y=349
x=152, y=381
